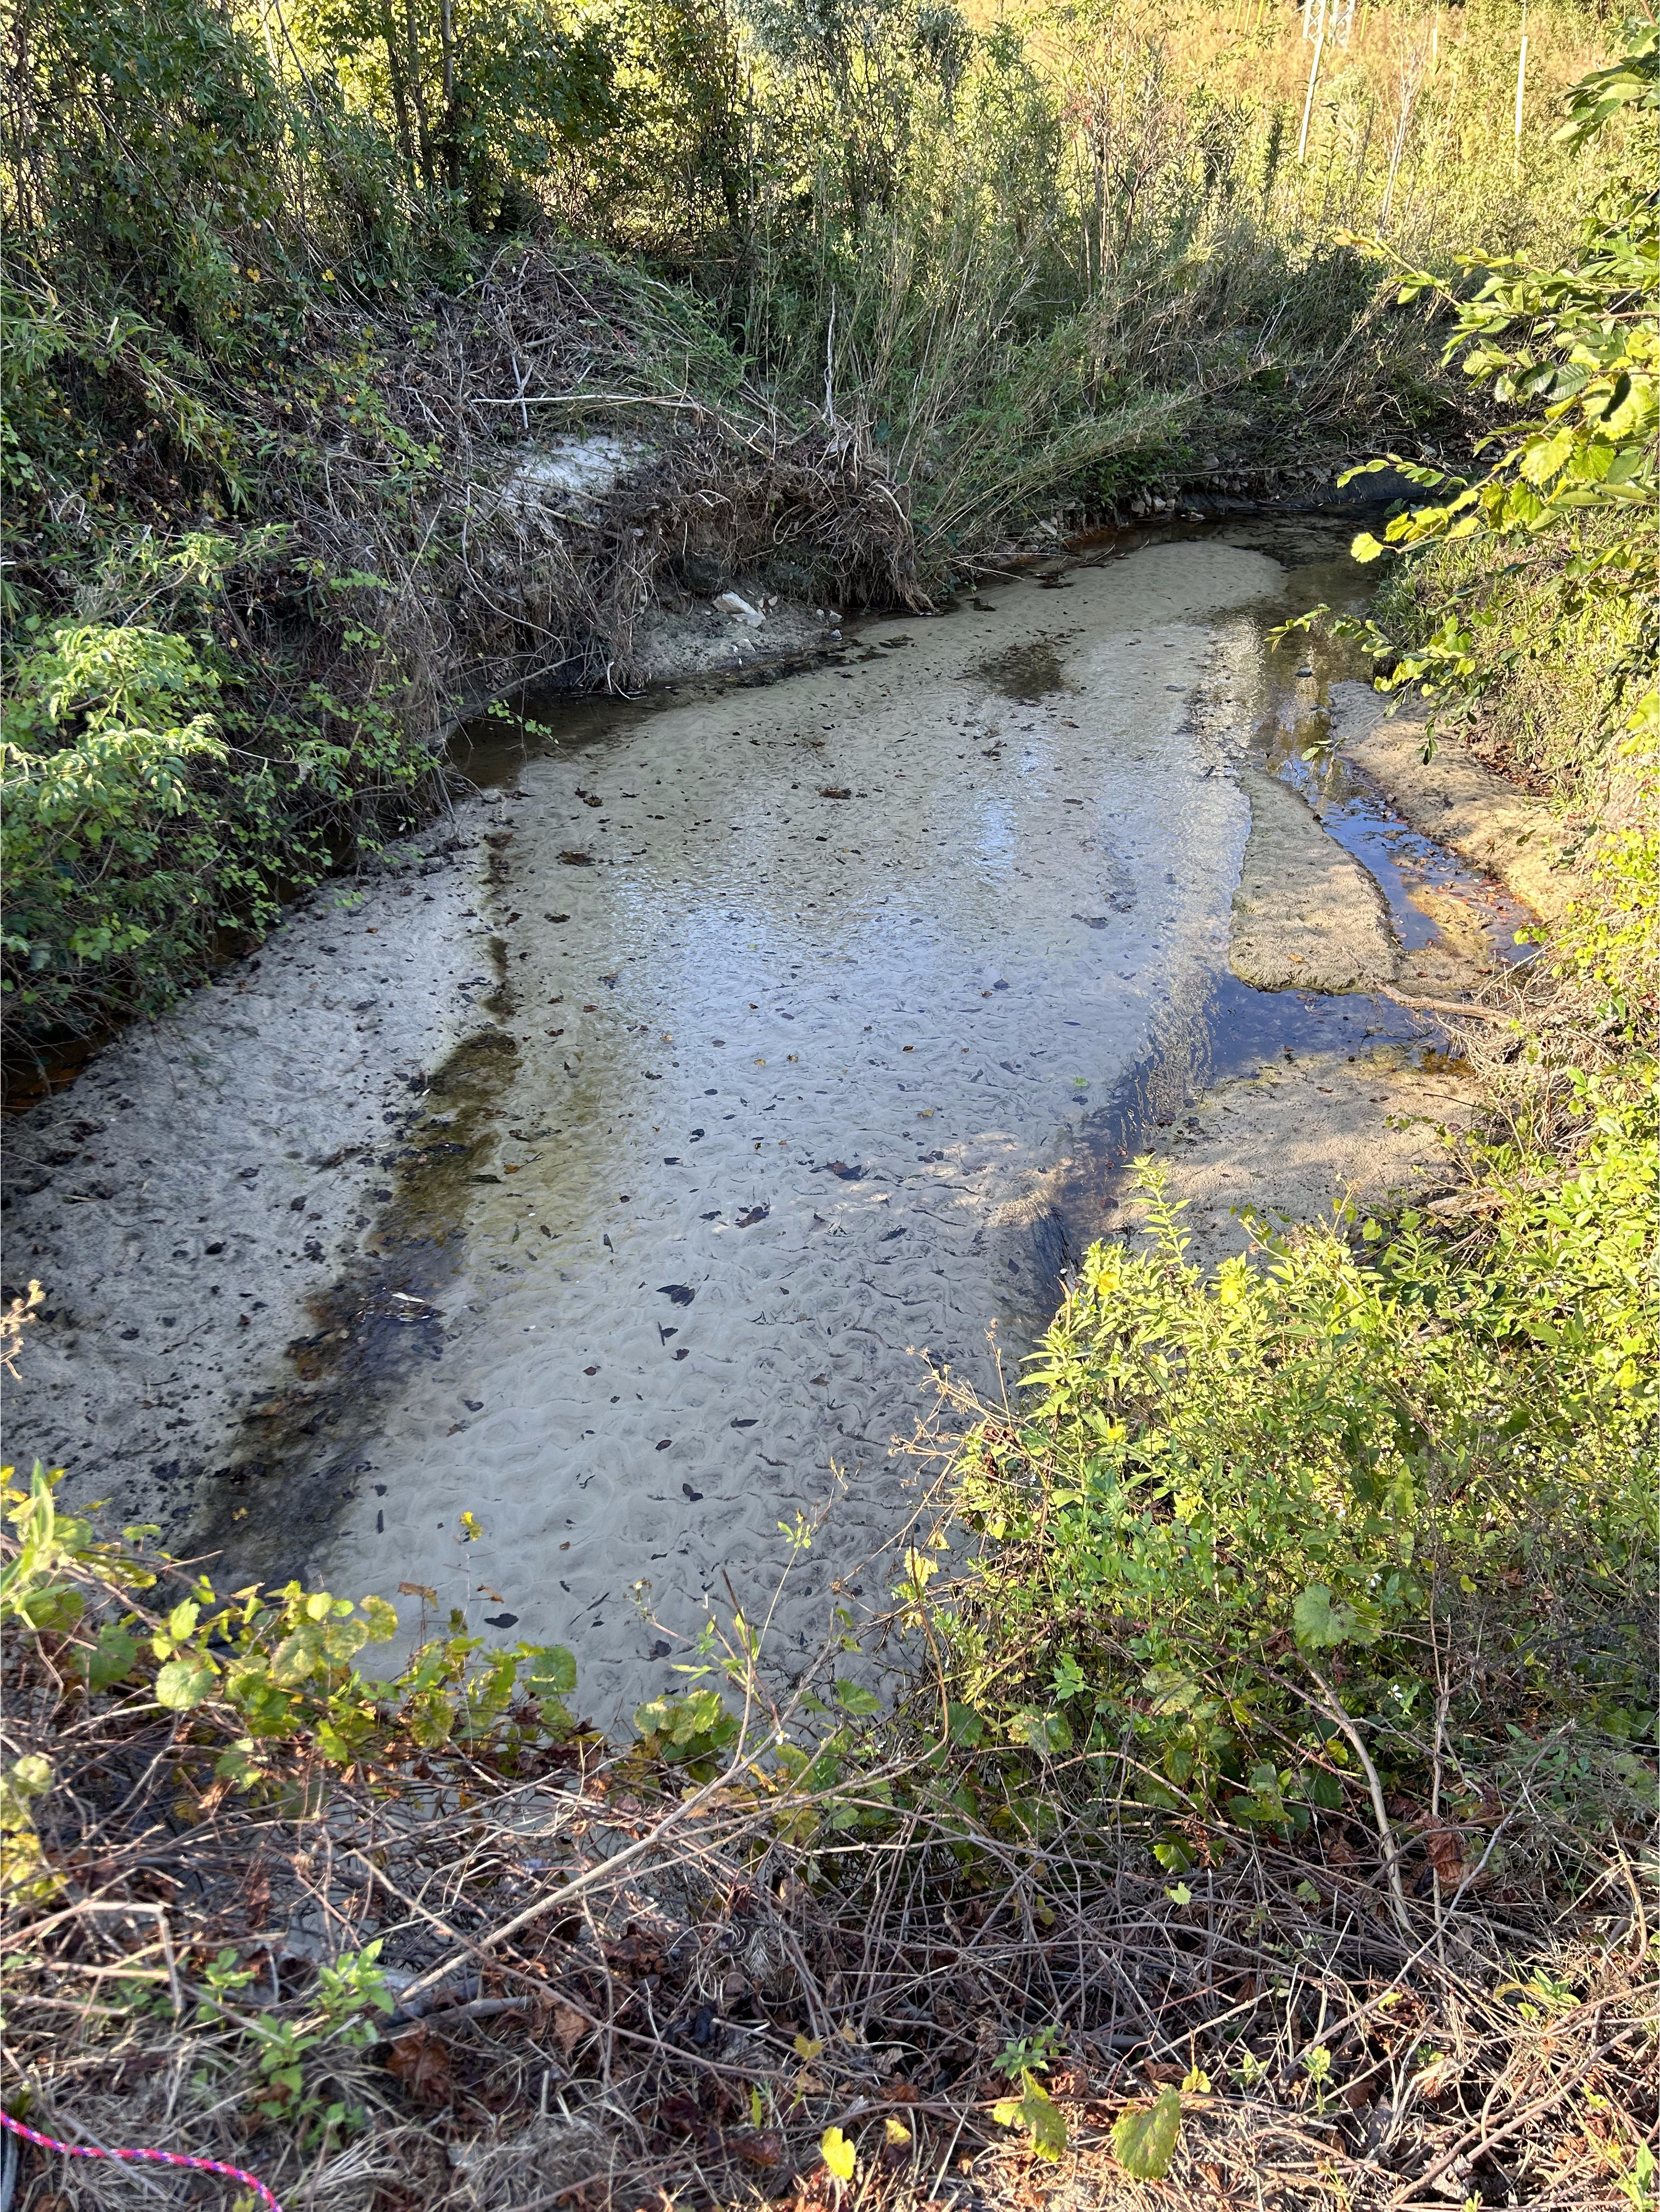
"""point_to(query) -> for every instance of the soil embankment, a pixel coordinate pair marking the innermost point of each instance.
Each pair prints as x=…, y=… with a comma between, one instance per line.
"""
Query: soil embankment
x=1454, y=799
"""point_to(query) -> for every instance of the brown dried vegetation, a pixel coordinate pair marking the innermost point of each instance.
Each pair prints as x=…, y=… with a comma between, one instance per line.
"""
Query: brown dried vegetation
x=620, y=1986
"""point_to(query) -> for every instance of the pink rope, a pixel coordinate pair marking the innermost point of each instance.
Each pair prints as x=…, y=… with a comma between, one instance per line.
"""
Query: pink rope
x=154, y=2157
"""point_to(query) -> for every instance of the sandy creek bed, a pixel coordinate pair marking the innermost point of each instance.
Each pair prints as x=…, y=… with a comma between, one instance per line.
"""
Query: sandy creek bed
x=739, y=1057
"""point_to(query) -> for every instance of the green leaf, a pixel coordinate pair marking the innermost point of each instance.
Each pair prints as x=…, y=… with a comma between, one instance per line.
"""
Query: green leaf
x=26, y=1778
x=184, y=1681
x=238, y=1764
x=1322, y=1621
x=113, y=1660
x=856, y=1700
x=431, y=1720
x=54, y=1607
x=1037, y=2112
x=839, y=2154
x=382, y=1619
x=694, y=1715
x=550, y=1672
x=1144, y=2140
x=343, y=1640
x=1048, y=1732
x=298, y=1654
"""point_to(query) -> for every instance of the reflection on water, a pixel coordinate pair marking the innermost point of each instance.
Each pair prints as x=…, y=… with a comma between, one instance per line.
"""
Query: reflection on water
x=819, y=1012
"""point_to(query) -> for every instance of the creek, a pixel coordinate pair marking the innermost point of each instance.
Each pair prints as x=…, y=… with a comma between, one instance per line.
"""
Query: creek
x=834, y=1004
x=542, y=1227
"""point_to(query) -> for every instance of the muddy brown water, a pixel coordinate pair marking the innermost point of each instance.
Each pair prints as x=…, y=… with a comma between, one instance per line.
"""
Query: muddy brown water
x=811, y=1023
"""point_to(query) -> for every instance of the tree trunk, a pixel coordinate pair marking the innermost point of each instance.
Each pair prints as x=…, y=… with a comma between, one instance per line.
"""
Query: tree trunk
x=451, y=132
x=400, y=104
x=428, y=177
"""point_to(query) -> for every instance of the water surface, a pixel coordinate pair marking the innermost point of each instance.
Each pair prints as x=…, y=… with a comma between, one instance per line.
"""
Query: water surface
x=798, y=1010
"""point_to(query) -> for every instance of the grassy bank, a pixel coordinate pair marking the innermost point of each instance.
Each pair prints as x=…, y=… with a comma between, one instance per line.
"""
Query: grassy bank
x=1405, y=1440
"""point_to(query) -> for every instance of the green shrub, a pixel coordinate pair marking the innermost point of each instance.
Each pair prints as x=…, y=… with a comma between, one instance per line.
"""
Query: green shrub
x=1524, y=595
x=266, y=1682
x=109, y=854
x=1364, y=1453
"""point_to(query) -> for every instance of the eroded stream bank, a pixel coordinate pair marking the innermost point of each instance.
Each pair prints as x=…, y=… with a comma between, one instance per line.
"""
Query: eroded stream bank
x=744, y=1056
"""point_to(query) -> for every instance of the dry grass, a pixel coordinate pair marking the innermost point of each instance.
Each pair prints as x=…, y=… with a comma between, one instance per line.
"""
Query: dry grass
x=1425, y=94
x=623, y=1985
x=490, y=577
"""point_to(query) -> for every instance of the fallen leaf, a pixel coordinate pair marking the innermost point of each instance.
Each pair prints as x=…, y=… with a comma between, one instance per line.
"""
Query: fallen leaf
x=839, y=2154
x=1144, y=2140
x=569, y=2026
x=421, y=2061
x=1444, y=1854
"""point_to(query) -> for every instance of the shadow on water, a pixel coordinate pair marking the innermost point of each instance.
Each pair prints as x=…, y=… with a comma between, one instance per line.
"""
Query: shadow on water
x=1026, y=672
x=306, y=1439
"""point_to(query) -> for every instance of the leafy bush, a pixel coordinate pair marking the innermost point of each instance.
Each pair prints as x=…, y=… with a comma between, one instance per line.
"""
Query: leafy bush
x=98, y=741
x=264, y=1673
x=1229, y=1496
x=1524, y=599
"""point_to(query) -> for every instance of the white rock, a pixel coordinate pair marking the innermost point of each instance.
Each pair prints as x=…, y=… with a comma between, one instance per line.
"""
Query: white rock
x=730, y=604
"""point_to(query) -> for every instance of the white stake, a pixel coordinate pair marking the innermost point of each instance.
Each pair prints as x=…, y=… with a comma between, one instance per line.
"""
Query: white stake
x=1308, y=104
